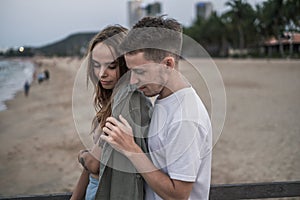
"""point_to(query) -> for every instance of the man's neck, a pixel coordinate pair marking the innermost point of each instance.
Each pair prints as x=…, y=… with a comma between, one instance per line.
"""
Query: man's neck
x=176, y=82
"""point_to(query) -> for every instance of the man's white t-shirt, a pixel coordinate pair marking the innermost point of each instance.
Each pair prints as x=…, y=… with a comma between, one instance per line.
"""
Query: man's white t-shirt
x=179, y=141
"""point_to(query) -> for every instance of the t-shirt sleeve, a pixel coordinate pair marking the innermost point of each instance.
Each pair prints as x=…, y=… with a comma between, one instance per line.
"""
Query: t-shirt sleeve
x=184, y=145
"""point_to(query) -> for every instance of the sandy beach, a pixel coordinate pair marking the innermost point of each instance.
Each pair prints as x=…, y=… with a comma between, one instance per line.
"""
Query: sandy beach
x=260, y=140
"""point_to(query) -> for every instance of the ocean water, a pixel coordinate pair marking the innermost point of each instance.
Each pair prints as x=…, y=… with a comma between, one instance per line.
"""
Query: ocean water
x=13, y=75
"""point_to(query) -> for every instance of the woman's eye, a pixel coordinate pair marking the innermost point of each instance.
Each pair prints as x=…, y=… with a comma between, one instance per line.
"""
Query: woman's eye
x=96, y=65
x=112, y=66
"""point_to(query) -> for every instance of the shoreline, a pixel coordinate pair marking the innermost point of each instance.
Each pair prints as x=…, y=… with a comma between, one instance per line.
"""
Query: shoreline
x=14, y=75
x=38, y=135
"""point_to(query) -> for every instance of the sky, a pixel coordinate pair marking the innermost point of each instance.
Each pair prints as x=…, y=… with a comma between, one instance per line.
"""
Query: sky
x=36, y=23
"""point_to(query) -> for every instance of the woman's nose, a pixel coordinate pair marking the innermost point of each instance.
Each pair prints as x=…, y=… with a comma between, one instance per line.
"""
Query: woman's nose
x=102, y=72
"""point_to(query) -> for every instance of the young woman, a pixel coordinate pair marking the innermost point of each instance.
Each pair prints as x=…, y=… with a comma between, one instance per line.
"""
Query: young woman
x=105, y=68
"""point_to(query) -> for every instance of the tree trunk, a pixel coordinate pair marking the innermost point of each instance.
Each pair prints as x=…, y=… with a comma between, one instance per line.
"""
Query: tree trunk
x=280, y=45
x=291, y=44
x=224, y=49
x=269, y=51
x=241, y=39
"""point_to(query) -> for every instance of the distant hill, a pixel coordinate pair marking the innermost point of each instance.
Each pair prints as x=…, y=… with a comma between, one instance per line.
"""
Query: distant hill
x=73, y=45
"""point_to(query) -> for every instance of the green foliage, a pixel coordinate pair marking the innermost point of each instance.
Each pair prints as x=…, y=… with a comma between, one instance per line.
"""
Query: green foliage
x=209, y=33
x=244, y=27
x=28, y=52
x=73, y=45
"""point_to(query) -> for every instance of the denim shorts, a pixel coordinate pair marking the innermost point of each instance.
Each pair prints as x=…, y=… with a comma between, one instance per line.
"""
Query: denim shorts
x=91, y=188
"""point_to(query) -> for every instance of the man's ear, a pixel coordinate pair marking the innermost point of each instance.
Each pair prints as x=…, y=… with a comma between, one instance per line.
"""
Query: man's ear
x=169, y=61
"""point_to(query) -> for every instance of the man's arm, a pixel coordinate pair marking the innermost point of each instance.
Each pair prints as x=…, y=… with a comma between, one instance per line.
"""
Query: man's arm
x=119, y=135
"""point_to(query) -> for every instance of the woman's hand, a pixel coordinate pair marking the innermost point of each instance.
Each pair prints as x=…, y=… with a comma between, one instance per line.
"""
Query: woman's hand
x=88, y=161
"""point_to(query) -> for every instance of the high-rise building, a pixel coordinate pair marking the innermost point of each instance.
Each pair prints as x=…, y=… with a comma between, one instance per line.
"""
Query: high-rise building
x=153, y=9
x=204, y=9
x=135, y=11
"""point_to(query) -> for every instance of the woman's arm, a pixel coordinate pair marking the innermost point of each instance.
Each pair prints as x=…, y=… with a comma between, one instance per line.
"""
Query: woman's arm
x=80, y=188
x=90, y=165
x=91, y=160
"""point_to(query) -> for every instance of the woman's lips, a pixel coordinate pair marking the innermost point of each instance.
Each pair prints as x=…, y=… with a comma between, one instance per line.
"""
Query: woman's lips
x=105, y=82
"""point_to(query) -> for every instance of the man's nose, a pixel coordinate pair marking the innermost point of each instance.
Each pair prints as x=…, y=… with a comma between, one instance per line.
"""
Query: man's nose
x=133, y=79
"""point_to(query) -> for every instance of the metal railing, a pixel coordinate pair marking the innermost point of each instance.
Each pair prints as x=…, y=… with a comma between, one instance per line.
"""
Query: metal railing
x=255, y=190
x=217, y=192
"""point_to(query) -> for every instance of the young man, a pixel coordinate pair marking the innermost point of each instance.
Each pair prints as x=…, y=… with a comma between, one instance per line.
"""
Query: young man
x=179, y=138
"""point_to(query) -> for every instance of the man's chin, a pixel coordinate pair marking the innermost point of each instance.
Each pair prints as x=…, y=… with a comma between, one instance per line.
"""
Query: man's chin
x=147, y=94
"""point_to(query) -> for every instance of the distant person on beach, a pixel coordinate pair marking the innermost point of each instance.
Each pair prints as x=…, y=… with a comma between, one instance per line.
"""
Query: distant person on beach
x=106, y=70
x=47, y=74
x=41, y=77
x=179, y=138
x=26, y=88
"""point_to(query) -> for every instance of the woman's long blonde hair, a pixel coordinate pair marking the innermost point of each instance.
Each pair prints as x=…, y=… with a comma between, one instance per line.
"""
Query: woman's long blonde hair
x=112, y=36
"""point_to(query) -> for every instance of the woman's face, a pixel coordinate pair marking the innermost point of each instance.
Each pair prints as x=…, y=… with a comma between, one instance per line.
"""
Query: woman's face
x=105, y=67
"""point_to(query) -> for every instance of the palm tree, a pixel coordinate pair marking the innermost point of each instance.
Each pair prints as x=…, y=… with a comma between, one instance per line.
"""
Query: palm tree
x=241, y=17
x=293, y=19
x=210, y=33
x=275, y=20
